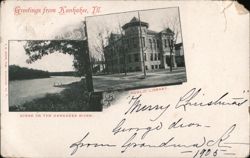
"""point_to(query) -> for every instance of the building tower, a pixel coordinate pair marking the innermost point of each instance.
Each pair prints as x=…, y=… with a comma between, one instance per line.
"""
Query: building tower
x=133, y=44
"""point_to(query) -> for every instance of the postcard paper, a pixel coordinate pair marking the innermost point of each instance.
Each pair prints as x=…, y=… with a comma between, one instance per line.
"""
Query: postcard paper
x=124, y=79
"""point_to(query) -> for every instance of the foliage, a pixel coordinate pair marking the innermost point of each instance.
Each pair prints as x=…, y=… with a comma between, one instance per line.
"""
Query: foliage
x=36, y=49
x=20, y=73
x=64, y=73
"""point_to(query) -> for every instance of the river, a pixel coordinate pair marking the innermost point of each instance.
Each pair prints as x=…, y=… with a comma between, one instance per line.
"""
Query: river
x=21, y=91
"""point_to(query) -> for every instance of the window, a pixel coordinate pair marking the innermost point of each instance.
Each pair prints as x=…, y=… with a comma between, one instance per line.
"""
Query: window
x=136, y=56
x=165, y=43
x=134, y=43
x=156, y=57
x=150, y=42
x=145, y=57
x=159, y=57
x=154, y=44
x=146, y=67
x=143, y=41
x=137, y=68
x=127, y=41
x=152, y=67
x=156, y=66
x=151, y=56
x=121, y=60
x=129, y=58
x=158, y=44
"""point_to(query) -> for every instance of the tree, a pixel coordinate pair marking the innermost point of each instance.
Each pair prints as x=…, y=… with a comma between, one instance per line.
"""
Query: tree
x=38, y=48
x=19, y=73
x=172, y=23
x=97, y=50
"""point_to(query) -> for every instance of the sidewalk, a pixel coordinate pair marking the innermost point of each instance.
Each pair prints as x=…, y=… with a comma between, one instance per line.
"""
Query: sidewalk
x=137, y=80
x=140, y=74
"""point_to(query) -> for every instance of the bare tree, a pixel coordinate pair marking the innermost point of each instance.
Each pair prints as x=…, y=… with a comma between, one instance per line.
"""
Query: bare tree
x=172, y=23
x=99, y=46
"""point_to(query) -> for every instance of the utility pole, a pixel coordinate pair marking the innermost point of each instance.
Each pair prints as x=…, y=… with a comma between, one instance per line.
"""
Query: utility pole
x=142, y=46
x=88, y=71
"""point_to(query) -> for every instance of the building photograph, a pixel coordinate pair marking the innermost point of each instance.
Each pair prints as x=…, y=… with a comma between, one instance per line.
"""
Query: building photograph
x=136, y=49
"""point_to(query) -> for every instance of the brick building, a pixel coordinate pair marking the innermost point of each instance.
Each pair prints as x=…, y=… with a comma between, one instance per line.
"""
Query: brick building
x=124, y=51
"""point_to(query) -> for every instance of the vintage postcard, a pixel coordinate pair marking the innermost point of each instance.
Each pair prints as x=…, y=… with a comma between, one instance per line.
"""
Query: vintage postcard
x=51, y=89
x=146, y=79
x=133, y=50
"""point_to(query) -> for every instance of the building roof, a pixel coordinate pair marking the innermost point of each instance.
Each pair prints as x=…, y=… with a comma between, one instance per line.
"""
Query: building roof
x=167, y=31
x=115, y=36
x=152, y=32
x=134, y=19
x=135, y=22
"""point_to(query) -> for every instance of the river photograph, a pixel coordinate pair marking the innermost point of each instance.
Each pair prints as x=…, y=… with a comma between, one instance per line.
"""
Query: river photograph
x=48, y=75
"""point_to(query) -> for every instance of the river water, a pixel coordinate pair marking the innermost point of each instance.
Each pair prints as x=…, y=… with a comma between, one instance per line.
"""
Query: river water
x=21, y=91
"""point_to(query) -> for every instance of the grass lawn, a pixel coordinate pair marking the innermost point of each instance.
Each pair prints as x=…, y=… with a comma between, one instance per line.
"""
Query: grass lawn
x=74, y=97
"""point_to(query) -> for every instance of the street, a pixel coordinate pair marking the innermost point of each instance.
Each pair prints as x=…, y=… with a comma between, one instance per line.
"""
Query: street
x=136, y=79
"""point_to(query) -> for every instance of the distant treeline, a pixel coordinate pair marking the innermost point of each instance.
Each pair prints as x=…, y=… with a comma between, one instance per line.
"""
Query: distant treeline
x=65, y=73
x=20, y=73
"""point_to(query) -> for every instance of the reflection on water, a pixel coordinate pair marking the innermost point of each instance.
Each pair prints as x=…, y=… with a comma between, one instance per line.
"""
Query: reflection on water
x=21, y=91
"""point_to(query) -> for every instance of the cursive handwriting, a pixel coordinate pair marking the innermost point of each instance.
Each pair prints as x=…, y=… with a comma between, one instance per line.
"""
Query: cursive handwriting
x=141, y=136
x=138, y=107
x=119, y=128
x=188, y=100
x=81, y=144
x=204, y=142
x=179, y=124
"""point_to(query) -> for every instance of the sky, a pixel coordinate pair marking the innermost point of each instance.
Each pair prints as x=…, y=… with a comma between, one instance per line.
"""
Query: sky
x=157, y=19
x=60, y=62
x=44, y=27
x=55, y=62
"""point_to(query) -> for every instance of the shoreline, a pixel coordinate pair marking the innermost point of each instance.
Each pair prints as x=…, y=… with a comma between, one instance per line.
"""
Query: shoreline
x=74, y=97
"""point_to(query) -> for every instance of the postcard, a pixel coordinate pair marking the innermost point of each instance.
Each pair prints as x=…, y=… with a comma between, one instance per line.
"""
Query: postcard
x=127, y=53
x=124, y=79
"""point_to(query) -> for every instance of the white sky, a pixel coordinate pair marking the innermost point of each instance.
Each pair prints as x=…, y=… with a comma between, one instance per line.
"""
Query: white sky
x=157, y=19
x=61, y=62
x=54, y=62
